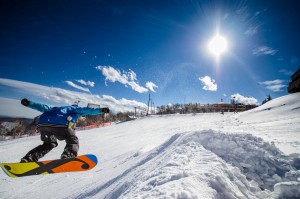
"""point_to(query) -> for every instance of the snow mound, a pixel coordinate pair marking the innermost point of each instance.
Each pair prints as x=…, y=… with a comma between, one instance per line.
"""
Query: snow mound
x=205, y=164
x=258, y=160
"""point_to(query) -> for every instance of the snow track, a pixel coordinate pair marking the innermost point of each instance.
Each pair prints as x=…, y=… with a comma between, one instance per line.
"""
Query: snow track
x=116, y=180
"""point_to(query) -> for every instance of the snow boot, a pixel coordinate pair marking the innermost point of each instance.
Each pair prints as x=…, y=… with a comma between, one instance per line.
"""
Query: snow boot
x=28, y=158
x=67, y=154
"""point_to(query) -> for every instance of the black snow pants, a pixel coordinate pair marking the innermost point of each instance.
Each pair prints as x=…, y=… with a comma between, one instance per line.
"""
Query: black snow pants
x=49, y=136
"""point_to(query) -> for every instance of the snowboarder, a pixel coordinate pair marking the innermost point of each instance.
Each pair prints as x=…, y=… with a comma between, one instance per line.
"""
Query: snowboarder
x=56, y=123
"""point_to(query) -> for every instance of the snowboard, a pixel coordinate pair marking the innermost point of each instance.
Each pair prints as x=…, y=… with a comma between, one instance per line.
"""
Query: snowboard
x=79, y=163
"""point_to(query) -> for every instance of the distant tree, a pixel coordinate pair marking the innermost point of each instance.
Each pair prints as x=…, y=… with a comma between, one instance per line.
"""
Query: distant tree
x=19, y=129
x=2, y=130
x=268, y=98
x=31, y=128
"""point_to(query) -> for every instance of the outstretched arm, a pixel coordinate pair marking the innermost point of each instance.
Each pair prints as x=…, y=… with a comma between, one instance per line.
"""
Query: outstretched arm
x=92, y=111
x=34, y=105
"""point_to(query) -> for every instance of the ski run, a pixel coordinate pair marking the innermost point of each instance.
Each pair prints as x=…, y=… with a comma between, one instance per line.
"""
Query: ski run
x=254, y=154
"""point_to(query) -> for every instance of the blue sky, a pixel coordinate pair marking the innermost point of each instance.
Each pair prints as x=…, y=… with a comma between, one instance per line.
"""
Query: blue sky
x=123, y=50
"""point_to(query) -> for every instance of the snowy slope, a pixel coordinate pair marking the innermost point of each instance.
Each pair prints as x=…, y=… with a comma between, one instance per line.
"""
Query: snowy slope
x=278, y=121
x=248, y=155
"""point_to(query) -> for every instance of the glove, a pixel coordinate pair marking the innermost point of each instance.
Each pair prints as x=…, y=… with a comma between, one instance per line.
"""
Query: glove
x=105, y=110
x=25, y=102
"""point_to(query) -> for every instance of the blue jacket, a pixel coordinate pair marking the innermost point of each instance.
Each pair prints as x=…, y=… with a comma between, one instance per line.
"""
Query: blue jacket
x=61, y=116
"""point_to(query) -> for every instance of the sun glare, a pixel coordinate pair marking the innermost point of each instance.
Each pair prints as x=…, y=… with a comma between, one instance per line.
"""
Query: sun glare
x=217, y=45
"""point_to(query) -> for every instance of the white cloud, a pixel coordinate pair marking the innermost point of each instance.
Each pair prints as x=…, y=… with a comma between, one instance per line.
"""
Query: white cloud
x=252, y=30
x=127, y=78
x=209, y=83
x=286, y=72
x=276, y=88
x=151, y=86
x=272, y=82
x=13, y=108
x=86, y=83
x=244, y=100
x=60, y=96
x=112, y=74
x=78, y=87
x=131, y=75
x=274, y=85
x=264, y=50
x=136, y=87
x=243, y=13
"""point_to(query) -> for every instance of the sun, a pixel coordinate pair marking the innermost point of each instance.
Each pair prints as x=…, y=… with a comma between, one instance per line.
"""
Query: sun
x=217, y=45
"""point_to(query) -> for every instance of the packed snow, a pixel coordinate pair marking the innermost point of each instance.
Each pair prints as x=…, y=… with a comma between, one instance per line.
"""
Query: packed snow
x=254, y=154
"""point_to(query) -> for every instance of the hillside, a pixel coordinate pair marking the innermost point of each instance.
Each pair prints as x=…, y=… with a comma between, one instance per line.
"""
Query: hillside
x=254, y=154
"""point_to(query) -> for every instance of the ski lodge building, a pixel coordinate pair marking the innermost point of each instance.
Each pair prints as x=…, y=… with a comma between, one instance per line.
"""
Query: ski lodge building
x=294, y=85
